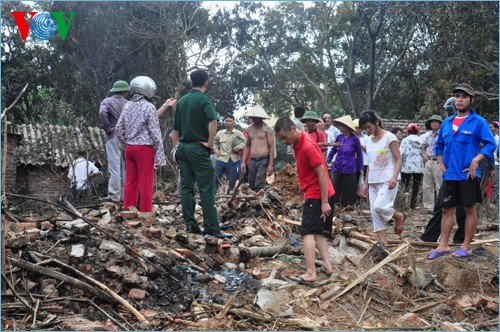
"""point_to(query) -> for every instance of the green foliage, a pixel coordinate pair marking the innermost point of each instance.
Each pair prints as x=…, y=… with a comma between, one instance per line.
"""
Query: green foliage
x=400, y=58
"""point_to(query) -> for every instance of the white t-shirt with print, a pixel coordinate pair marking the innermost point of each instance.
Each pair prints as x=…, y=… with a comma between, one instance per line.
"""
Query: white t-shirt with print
x=363, y=140
x=380, y=158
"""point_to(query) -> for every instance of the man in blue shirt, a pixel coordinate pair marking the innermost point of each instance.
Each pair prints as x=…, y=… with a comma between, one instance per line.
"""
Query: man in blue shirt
x=458, y=152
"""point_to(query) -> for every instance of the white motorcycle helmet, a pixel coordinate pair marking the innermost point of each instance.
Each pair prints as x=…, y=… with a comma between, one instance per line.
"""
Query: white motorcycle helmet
x=143, y=85
x=449, y=106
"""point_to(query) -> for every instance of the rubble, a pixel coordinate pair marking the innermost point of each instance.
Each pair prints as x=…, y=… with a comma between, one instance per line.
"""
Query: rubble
x=103, y=268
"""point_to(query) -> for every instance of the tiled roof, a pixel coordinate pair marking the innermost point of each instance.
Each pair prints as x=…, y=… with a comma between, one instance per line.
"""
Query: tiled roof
x=401, y=123
x=57, y=145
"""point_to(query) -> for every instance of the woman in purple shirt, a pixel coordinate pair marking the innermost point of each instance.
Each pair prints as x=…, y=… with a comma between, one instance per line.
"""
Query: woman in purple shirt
x=348, y=161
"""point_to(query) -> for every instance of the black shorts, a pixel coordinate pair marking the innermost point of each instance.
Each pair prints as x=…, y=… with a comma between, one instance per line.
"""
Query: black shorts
x=466, y=193
x=312, y=219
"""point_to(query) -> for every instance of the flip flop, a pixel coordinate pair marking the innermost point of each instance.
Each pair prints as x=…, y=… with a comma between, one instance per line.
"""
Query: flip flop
x=328, y=274
x=436, y=254
x=462, y=253
x=301, y=280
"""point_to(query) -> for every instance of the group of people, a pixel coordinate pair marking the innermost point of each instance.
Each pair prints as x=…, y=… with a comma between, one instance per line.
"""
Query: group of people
x=461, y=142
x=448, y=156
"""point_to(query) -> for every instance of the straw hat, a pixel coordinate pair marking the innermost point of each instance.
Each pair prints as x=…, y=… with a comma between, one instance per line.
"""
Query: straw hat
x=346, y=120
x=257, y=112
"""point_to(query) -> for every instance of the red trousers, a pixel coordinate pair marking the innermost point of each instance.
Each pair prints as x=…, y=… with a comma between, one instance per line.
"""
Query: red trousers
x=140, y=177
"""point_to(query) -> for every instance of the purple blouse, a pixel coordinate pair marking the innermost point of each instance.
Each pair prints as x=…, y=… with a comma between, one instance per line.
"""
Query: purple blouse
x=349, y=157
x=139, y=125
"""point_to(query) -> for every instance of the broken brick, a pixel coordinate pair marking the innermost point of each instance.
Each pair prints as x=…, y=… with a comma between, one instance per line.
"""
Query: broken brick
x=203, y=265
x=145, y=215
x=464, y=302
x=195, y=259
x=448, y=326
x=401, y=281
x=148, y=313
x=409, y=317
x=183, y=252
x=400, y=305
x=492, y=306
x=133, y=224
x=21, y=226
x=479, y=301
x=260, y=274
x=151, y=232
x=128, y=215
x=150, y=221
x=458, y=314
x=218, y=259
x=288, y=272
x=46, y=226
x=213, y=264
x=32, y=233
x=137, y=294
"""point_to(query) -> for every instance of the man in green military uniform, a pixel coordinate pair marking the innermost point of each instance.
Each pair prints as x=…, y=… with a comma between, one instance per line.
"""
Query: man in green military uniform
x=195, y=124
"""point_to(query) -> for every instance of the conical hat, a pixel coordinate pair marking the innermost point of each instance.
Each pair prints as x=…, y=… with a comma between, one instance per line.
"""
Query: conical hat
x=345, y=120
x=257, y=112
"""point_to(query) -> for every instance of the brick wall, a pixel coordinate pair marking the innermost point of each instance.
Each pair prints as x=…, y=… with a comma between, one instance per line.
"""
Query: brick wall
x=41, y=181
x=11, y=164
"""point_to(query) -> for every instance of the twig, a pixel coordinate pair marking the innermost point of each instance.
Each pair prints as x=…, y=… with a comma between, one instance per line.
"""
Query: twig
x=479, y=278
x=59, y=276
x=107, y=315
x=393, y=256
x=75, y=214
x=265, y=231
x=430, y=305
x=23, y=301
x=104, y=288
x=52, y=247
x=228, y=305
x=33, y=326
x=364, y=310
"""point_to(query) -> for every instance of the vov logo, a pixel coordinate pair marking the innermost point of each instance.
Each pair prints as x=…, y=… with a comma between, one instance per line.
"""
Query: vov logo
x=43, y=25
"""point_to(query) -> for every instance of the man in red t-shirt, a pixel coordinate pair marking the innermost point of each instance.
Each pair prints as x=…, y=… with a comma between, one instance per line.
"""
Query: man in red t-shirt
x=318, y=190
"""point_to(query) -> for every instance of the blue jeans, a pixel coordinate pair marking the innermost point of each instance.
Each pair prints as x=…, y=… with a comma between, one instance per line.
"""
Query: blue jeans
x=230, y=168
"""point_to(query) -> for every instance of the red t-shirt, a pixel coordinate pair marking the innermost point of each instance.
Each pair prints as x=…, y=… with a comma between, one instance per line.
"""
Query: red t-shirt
x=308, y=156
x=457, y=121
x=319, y=136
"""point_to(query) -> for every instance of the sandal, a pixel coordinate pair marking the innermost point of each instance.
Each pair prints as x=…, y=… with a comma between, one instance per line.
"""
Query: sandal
x=462, y=253
x=436, y=254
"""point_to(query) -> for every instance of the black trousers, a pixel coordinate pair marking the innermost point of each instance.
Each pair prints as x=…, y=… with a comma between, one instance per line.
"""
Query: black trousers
x=433, y=229
x=345, y=188
x=417, y=179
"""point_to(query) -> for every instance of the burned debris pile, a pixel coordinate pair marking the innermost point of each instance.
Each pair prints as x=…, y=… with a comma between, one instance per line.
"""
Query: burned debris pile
x=99, y=267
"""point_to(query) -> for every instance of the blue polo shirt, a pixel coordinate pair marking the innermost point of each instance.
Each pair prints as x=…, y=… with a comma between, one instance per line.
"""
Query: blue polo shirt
x=460, y=148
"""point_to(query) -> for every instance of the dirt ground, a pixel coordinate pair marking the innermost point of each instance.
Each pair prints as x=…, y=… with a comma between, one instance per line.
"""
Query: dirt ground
x=142, y=271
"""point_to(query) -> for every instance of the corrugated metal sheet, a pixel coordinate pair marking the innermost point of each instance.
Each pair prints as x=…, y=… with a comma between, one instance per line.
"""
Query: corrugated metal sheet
x=57, y=145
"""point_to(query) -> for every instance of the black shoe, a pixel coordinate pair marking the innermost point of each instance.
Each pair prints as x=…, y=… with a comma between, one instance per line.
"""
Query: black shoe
x=219, y=234
x=193, y=229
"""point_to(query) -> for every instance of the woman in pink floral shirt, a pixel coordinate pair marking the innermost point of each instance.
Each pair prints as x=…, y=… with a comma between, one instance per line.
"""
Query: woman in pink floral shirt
x=138, y=129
